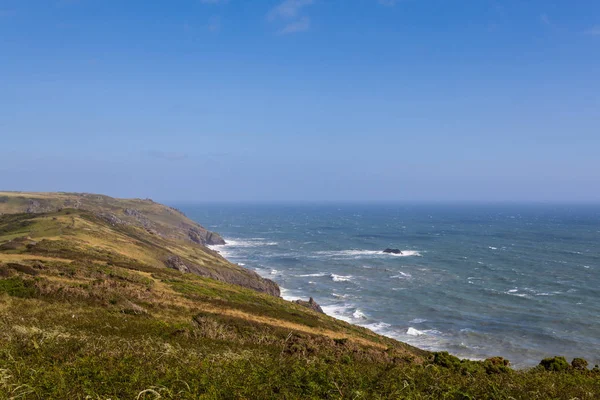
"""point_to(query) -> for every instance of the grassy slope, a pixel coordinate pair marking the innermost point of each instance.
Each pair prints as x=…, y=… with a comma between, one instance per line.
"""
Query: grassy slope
x=153, y=234
x=160, y=219
x=88, y=309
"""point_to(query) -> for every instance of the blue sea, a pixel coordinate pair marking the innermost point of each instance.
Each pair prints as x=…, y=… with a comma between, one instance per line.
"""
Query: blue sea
x=519, y=281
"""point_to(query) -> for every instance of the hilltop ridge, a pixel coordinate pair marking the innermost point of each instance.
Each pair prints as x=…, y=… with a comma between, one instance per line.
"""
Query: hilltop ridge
x=156, y=218
x=154, y=233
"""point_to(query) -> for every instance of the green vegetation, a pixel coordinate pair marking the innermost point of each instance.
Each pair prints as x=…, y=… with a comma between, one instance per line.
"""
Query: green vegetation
x=555, y=364
x=89, y=310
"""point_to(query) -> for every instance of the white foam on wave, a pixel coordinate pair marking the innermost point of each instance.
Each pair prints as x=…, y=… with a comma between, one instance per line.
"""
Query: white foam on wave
x=377, y=326
x=238, y=243
x=492, y=248
x=311, y=275
x=340, y=296
x=367, y=253
x=417, y=321
x=338, y=311
x=402, y=275
x=513, y=292
x=285, y=294
x=414, y=332
x=358, y=314
x=548, y=293
x=340, y=278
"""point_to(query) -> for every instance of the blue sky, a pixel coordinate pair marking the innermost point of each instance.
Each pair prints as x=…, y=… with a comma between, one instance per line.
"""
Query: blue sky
x=302, y=100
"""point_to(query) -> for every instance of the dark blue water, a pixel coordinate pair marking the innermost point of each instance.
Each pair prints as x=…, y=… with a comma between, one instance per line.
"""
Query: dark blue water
x=478, y=281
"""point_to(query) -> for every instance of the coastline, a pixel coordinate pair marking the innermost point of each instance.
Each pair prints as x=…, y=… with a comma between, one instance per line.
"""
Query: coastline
x=332, y=310
x=338, y=297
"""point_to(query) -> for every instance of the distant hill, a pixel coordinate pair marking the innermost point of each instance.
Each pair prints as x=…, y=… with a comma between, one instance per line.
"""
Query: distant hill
x=104, y=298
x=156, y=218
x=143, y=230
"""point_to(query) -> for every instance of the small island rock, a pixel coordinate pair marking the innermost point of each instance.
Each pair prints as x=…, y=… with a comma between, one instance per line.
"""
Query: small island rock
x=392, y=251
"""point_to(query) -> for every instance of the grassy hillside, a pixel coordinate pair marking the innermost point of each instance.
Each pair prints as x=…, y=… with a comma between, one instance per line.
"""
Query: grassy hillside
x=154, y=217
x=91, y=309
x=102, y=227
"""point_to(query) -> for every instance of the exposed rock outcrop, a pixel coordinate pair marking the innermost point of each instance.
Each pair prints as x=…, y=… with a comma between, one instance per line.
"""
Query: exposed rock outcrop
x=242, y=276
x=204, y=237
x=110, y=218
x=312, y=304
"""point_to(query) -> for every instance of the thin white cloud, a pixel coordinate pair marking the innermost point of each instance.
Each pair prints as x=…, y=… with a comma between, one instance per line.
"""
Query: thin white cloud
x=594, y=31
x=301, y=25
x=545, y=19
x=289, y=9
x=290, y=12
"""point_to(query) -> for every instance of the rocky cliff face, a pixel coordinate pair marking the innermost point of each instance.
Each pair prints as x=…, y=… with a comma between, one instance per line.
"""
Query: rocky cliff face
x=240, y=276
x=202, y=236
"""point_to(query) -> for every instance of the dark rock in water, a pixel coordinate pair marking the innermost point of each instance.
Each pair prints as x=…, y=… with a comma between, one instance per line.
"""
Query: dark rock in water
x=392, y=251
x=312, y=304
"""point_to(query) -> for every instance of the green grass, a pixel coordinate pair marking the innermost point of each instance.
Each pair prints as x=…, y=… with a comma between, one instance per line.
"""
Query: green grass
x=73, y=352
x=17, y=287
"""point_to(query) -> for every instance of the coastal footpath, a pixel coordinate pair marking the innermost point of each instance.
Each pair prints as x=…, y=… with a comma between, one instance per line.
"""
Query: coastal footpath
x=109, y=298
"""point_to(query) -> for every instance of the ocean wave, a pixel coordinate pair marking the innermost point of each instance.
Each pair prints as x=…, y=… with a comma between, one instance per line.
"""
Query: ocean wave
x=286, y=295
x=339, y=296
x=514, y=293
x=341, y=278
x=366, y=253
x=358, y=314
x=402, y=275
x=338, y=311
x=311, y=275
x=414, y=332
x=237, y=243
x=378, y=327
x=417, y=321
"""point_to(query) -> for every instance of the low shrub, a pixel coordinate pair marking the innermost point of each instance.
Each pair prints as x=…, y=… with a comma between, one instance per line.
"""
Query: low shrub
x=17, y=287
x=446, y=360
x=555, y=364
x=579, y=364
